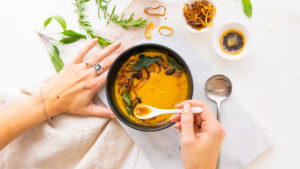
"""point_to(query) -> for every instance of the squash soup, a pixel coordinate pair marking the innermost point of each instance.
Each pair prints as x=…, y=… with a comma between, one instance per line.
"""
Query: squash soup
x=151, y=78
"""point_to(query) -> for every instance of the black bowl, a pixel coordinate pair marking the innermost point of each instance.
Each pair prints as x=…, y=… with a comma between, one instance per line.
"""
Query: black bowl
x=112, y=74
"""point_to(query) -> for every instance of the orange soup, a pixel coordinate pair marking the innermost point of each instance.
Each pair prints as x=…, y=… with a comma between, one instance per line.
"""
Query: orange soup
x=151, y=78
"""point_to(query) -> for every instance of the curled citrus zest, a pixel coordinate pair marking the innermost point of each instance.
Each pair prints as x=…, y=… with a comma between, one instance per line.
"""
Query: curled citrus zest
x=147, y=11
x=149, y=30
x=165, y=27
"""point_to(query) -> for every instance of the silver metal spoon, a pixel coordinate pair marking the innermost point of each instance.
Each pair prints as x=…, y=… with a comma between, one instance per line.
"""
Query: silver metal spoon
x=218, y=88
x=147, y=112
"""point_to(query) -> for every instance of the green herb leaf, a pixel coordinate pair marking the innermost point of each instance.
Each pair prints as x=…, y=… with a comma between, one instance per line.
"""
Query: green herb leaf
x=70, y=39
x=128, y=102
x=55, y=59
x=73, y=33
x=247, y=7
x=47, y=21
x=145, y=61
x=174, y=64
x=59, y=19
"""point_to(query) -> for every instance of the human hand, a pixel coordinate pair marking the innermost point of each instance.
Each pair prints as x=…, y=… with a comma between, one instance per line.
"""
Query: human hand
x=73, y=89
x=201, y=136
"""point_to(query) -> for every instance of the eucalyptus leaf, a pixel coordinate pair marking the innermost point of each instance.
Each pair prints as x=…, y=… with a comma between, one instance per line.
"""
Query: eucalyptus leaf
x=145, y=61
x=47, y=21
x=59, y=19
x=128, y=102
x=174, y=64
x=55, y=59
x=247, y=7
x=73, y=33
x=70, y=39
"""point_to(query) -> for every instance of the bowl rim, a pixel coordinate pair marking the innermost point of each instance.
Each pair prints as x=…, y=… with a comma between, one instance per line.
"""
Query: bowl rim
x=119, y=116
x=232, y=25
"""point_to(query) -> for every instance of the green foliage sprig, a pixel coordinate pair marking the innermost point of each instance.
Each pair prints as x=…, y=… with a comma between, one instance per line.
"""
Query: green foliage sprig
x=51, y=43
x=124, y=23
x=85, y=24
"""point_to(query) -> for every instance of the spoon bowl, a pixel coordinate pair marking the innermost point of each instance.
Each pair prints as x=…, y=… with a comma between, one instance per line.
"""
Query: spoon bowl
x=147, y=112
x=218, y=88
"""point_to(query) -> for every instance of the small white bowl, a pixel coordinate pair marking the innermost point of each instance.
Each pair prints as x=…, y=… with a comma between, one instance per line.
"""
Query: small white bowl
x=187, y=26
x=232, y=25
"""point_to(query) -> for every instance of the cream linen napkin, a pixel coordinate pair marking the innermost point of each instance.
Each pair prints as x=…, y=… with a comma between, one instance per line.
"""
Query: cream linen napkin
x=75, y=141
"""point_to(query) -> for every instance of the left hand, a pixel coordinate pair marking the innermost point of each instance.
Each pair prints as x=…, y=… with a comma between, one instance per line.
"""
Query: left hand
x=73, y=89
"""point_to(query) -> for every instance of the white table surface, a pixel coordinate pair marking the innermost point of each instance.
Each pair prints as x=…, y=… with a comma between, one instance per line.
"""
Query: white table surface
x=266, y=82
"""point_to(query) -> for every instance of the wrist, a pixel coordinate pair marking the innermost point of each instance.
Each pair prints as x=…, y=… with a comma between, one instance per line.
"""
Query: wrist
x=50, y=102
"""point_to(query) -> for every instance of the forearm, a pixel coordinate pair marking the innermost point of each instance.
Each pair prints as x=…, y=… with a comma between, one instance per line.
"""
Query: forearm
x=20, y=118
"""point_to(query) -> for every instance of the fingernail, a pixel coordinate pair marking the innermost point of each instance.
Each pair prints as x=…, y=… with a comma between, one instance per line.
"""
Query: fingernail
x=117, y=43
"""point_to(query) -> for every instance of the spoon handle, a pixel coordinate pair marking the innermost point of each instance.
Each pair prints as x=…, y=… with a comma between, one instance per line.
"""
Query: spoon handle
x=194, y=110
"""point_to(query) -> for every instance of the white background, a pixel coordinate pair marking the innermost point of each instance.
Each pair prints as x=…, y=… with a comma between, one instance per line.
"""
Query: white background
x=266, y=82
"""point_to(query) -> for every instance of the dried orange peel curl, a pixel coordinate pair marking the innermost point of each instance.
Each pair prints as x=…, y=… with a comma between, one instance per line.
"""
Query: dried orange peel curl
x=149, y=30
x=165, y=27
x=149, y=9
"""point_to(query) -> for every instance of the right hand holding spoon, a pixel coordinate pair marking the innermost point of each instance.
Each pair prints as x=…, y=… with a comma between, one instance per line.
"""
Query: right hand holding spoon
x=201, y=136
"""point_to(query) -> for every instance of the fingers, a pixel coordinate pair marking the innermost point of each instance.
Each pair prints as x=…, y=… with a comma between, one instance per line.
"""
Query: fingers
x=101, y=55
x=175, y=118
x=178, y=126
x=95, y=110
x=81, y=54
x=187, y=122
x=107, y=62
x=207, y=113
x=100, y=81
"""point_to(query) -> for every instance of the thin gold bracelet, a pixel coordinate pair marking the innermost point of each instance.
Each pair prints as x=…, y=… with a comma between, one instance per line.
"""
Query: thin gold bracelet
x=49, y=119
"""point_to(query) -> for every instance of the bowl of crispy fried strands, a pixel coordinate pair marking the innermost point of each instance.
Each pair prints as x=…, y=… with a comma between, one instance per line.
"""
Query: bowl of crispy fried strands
x=198, y=15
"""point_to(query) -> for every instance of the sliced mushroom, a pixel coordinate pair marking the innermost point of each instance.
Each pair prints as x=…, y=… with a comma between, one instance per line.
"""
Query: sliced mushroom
x=159, y=67
x=170, y=71
x=139, y=99
x=164, y=64
x=137, y=74
x=146, y=73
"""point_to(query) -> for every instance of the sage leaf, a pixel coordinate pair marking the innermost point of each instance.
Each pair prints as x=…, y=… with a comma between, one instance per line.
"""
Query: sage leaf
x=59, y=19
x=70, y=39
x=47, y=21
x=73, y=33
x=174, y=64
x=128, y=102
x=55, y=58
x=247, y=6
x=145, y=61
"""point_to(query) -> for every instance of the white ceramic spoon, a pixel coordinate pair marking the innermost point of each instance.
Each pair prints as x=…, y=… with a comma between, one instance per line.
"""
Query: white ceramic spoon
x=146, y=111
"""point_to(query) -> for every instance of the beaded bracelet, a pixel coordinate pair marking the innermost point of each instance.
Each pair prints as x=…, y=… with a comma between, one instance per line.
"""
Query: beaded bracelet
x=49, y=119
